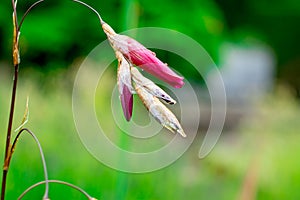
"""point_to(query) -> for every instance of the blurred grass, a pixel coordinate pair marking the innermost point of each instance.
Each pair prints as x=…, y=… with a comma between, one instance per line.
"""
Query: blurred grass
x=265, y=144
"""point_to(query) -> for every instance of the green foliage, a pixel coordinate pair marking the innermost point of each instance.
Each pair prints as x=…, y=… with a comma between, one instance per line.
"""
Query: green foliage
x=57, y=32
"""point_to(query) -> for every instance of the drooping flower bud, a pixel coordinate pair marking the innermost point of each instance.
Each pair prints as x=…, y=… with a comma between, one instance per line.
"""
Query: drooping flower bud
x=129, y=52
x=142, y=57
x=159, y=111
x=124, y=86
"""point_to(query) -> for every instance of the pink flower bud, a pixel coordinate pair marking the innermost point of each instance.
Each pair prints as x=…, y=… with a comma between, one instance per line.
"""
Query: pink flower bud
x=142, y=57
x=127, y=103
x=124, y=86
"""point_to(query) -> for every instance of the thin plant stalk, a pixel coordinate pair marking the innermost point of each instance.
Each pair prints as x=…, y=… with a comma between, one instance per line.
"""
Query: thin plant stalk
x=41, y=154
x=7, y=155
x=90, y=7
x=8, y=135
x=58, y=182
x=27, y=11
x=16, y=62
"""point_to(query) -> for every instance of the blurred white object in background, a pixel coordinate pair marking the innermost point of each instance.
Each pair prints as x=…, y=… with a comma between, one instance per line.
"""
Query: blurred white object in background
x=248, y=75
x=247, y=72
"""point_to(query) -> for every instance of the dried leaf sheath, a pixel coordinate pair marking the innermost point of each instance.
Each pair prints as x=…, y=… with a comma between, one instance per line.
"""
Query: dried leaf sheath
x=159, y=111
x=16, y=34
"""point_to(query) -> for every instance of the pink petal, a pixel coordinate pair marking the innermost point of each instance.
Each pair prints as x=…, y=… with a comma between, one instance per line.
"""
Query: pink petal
x=142, y=57
x=127, y=102
x=124, y=85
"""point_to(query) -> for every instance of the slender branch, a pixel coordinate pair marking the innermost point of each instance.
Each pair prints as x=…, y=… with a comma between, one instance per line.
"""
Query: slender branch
x=41, y=153
x=26, y=13
x=12, y=104
x=90, y=7
x=58, y=182
x=9, y=128
x=16, y=62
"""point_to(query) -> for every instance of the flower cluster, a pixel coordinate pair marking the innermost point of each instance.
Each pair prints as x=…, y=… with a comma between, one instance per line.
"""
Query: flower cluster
x=131, y=53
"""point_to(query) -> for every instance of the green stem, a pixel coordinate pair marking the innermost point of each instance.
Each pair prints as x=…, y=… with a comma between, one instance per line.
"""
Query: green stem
x=122, y=177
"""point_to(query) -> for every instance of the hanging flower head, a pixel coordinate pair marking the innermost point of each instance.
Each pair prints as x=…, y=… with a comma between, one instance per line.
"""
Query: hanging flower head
x=131, y=53
x=142, y=57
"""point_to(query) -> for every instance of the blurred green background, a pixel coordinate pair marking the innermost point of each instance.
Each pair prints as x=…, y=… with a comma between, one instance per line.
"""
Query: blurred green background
x=256, y=158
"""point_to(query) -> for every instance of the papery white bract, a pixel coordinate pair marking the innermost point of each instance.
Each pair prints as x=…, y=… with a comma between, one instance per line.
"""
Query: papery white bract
x=159, y=111
x=151, y=87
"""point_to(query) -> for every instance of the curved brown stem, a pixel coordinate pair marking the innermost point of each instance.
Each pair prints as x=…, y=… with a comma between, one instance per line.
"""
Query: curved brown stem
x=26, y=13
x=12, y=103
x=8, y=135
x=16, y=62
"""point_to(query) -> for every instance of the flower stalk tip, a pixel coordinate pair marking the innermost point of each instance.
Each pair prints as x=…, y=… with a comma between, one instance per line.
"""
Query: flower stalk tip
x=91, y=8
